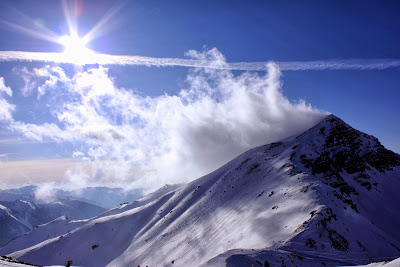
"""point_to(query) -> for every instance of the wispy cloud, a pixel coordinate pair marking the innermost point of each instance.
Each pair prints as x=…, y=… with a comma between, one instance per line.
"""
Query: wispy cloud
x=341, y=64
x=6, y=108
x=136, y=140
x=105, y=59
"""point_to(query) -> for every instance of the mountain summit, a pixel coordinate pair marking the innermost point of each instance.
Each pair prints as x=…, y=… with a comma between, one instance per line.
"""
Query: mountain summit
x=327, y=197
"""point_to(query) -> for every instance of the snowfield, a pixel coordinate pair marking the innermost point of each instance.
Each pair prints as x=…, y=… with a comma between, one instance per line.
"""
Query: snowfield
x=327, y=197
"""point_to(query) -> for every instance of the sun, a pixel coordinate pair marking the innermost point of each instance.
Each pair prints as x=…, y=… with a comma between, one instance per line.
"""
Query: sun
x=75, y=49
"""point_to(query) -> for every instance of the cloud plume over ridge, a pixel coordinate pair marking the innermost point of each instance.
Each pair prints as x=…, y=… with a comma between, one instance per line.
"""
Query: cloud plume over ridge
x=137, y=140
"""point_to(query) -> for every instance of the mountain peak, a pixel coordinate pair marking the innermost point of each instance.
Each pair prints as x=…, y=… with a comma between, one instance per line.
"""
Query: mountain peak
x=333, y=148
x=332, y=117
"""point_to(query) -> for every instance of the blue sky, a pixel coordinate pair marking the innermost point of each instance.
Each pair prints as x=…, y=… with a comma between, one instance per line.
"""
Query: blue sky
x=56, y=95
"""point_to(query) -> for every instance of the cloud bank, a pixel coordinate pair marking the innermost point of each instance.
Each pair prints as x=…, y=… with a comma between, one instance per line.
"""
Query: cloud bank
x=105, y=59
x=133, y=140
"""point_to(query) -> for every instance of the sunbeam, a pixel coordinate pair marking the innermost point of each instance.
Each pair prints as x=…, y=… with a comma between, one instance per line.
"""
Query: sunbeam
x=70, y=20
x=44, y=34
x=98, y=29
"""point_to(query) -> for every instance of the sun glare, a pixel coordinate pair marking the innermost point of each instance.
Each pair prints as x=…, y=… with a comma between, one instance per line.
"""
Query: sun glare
x=75, y=49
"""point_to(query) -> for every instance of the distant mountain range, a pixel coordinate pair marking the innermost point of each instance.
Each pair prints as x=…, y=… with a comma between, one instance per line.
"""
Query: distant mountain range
x=101, y=196
x=327, y=197
x=20, y=211
x=19, y=216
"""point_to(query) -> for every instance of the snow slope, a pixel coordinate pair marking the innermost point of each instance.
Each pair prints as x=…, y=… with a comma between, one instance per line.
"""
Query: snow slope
x=55, y=228
x=393, y=263
x=326, y=197
x=142, y=201
x=10, y=226
x=63, y=225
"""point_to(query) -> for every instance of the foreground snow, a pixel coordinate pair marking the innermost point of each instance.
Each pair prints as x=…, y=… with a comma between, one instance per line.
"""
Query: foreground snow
x=393, y=263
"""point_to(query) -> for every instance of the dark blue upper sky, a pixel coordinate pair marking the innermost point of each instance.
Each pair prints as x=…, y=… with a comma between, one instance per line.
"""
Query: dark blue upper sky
x=242, y=30
x=247, y=31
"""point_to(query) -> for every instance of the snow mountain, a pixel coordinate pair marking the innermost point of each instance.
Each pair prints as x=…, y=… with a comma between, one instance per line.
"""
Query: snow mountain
x=327, y=197
x=20, y=210
x=28, y=237
x=25, y=193
x=101, y=196
x=19, y=216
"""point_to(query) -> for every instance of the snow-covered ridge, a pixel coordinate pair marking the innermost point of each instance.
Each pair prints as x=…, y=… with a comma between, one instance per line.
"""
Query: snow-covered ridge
x=18, y=217
x=20, y=211
x=328, y=197
x=100, y=196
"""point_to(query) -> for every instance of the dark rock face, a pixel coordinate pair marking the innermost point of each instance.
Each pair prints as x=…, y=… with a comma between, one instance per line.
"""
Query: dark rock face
x=382, y=159
x=347, y=150
x=344, y=150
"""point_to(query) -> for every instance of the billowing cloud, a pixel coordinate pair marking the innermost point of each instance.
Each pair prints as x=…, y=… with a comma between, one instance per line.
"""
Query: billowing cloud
x=134, y=140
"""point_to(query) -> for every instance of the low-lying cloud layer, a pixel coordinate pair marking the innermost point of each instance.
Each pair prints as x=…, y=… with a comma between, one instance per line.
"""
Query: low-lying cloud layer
x=136, y=140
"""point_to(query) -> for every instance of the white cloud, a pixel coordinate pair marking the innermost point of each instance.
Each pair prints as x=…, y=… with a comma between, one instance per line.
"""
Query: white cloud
x=6, y=108
x=135, y=140
x=39, y=132
x=78, y=154
x=104, y=59
x=28, y=79
x=4, y=88
x=52, y=76
x=97, y=153
x=45, y=192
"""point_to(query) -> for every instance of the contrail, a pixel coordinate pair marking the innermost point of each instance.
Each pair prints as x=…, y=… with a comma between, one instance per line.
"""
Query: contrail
x=105, y=59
